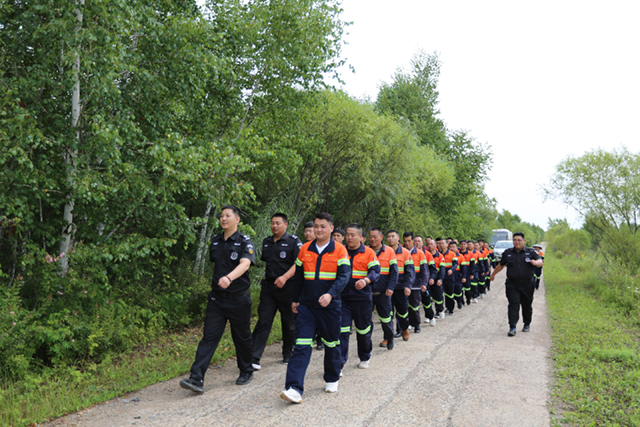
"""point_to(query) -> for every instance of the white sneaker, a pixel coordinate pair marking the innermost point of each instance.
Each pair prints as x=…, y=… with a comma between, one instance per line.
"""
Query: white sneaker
x=364, y=364
x=256, y=366
x=482, y=296
x=432, y=322
x=291, y=395
x=331, y=387
x=341, y=374
x=442, y=314
x=475, y=300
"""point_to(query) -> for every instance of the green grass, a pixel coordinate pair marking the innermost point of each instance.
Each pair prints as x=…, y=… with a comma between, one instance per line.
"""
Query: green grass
x=596, y=345
x=63, y=391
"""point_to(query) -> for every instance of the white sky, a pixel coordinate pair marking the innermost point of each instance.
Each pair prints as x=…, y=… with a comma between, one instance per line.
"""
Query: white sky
x=538, y=81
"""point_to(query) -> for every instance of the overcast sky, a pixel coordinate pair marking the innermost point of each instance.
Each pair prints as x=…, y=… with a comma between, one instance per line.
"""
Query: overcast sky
x=538, y=81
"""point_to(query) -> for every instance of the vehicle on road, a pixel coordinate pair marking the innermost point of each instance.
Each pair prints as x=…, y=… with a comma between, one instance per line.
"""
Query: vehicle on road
x=500, y=247
x=500, y=234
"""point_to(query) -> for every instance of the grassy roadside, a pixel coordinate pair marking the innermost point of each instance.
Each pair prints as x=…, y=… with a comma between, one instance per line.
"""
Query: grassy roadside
x=66, y=391
x=596, y=348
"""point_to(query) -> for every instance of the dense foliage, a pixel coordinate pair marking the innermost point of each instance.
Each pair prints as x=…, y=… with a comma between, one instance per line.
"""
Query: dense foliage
x=124, y=125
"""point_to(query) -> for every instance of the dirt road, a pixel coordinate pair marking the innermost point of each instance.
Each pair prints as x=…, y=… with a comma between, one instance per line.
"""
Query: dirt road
x=465, y=371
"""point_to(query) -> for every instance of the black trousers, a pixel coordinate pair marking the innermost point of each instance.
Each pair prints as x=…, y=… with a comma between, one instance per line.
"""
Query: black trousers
x=383, y=306
x=237, y=310
x=400, y=303
x=519, y=295
x=274, y=299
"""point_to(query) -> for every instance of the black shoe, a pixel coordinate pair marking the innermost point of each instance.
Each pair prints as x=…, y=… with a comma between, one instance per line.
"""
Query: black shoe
x=285, y=359
x=192, y=385
x=244, y=378
x=397, y=335
x=416, y=330
x=525, y=328
x=320, y=346
x=390, y=345
x=512, y=332
x=459, y=305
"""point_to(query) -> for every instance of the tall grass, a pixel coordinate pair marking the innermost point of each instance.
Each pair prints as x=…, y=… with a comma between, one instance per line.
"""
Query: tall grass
x=61, y=391
x=596, y=342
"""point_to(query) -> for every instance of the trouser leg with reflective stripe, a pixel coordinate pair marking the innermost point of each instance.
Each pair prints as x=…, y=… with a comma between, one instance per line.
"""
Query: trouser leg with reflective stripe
x=326, y=321
x=437, y=297
x=487, y=282
x=474, y=288
x=457, y=292
x=467, y=288
x=385, y=313
x=361, y=312
x=427, y=304
x=401, y=307
x=413, y=301
x=449, y=290
x=481, y=280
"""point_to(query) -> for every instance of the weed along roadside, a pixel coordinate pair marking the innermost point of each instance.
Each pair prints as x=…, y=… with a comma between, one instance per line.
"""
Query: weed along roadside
x=596, y=342
x=64, y=391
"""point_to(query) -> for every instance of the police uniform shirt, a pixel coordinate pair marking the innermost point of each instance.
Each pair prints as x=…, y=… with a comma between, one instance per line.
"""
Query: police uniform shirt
x=279, y=256
x=227, y=255
x=519, y=269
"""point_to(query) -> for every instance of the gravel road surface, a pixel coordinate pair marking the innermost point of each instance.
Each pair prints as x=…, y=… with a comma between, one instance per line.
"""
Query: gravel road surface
x=465, y=371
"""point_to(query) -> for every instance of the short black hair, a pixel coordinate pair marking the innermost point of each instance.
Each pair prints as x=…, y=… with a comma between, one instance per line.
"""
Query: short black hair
x=438, y=239
x=452, y=243
x=418, y=236
x=469, y=241
x=355, y=226
x=234, y=209
x=376, y=229
x=480, y=240
x=280, y=215
x=325, y=216
x=340, y=230
x=308, y=224
x=519, y=233
x=408, y=234
x=393, y=231
x=463, y=241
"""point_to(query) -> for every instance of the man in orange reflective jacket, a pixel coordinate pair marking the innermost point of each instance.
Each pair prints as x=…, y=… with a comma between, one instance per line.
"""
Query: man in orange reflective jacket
x=322, y=272
x=357, y=301
x=406, y=274
x=384, y=286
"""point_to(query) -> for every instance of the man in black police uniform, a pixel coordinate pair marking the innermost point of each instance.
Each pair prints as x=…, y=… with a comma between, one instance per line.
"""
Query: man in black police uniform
x=520, y=261
x=229, y=299
x=279, y=252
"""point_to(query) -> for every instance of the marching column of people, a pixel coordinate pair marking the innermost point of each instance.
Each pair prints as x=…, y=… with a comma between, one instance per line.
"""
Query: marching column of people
x=323, y=287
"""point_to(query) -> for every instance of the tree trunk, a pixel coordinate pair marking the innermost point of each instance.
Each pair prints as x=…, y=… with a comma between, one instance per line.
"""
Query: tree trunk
x=71, y=154
x=198, y=265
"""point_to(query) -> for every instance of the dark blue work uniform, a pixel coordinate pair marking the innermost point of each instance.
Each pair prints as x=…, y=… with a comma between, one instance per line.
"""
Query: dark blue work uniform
x=279, y=257
x=519, y=285
x=232, y=304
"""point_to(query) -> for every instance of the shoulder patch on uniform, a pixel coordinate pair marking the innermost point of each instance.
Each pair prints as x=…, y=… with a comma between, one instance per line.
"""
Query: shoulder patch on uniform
x=293, y=236
x=246, y=237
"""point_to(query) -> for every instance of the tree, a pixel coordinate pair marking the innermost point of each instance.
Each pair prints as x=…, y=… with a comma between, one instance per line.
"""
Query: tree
x=602, y=186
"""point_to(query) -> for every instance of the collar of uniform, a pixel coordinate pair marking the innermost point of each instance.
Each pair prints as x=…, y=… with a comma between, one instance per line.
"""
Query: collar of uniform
x=399, y=250
x=234, y=236
x=330, y=248
x=283, y=237
x=382, y=248
x=360, y=249
x=412, y=250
